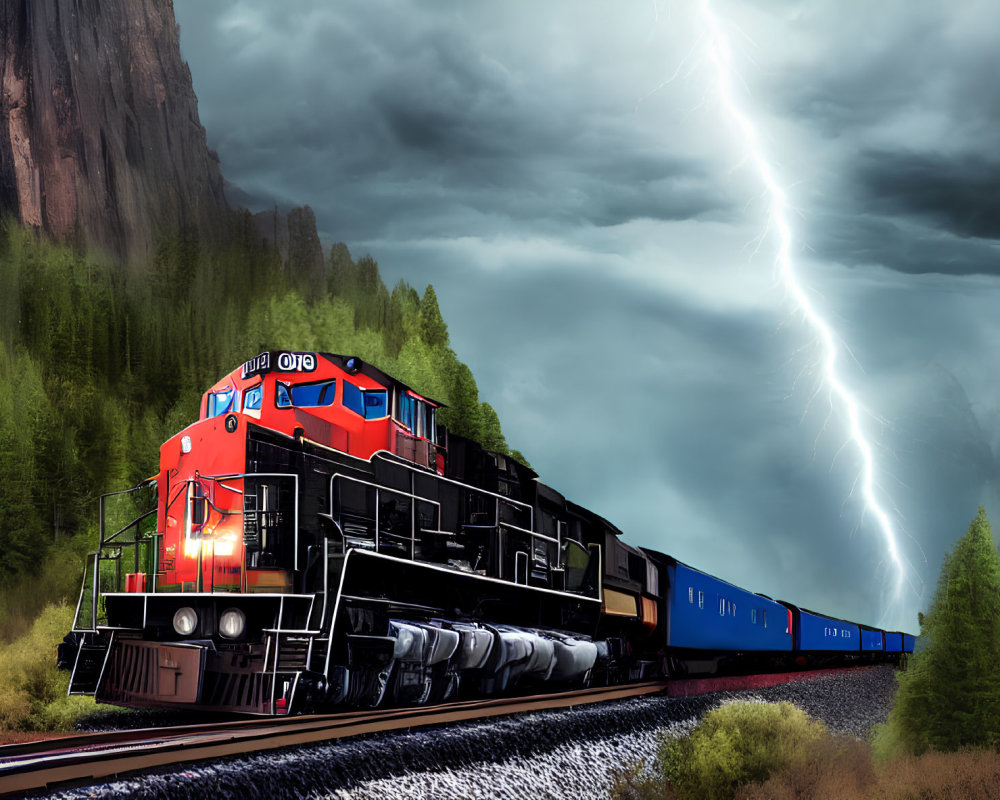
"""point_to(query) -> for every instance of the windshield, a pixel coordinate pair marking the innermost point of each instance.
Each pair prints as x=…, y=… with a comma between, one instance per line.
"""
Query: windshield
x=305, y=394
x=252, y=398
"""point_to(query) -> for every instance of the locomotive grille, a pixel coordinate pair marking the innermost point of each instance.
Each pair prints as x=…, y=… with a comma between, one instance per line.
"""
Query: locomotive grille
x=141, y=673
x=239, y=691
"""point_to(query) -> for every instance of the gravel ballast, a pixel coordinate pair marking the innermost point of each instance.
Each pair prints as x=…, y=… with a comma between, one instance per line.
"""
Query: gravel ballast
x=570, y=753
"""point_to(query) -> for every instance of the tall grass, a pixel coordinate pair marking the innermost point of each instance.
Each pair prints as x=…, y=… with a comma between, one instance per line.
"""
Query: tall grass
x=32, y=691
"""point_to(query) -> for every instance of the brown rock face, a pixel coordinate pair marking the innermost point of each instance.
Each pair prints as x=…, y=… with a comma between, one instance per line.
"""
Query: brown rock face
x=99, y=129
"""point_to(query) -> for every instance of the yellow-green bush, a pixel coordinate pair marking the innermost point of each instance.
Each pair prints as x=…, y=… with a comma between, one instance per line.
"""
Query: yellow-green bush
x=32, y=690
x=735, y=745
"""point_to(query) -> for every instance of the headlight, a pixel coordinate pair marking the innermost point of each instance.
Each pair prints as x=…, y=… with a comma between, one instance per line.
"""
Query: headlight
x=185, y=621
x=232, y=623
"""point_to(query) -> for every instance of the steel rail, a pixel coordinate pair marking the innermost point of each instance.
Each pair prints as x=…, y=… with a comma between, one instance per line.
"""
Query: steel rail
x=84, y=758
x=88, y=758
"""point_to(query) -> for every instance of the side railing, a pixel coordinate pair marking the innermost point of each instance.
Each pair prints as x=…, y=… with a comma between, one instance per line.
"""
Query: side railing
x=134, y=543
x=395, y=521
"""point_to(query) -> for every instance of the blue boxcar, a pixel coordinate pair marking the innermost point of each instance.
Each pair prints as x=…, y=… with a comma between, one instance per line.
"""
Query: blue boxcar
x=871, y=640
x=816, y=632
x=893, y=642
x=705, y=613
x=908, y=642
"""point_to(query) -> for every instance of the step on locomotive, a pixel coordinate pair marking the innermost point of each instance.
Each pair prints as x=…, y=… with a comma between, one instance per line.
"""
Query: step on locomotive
x=316, y=540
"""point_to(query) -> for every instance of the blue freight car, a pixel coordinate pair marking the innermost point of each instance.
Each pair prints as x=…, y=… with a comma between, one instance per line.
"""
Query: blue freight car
x=821, y=633
x=908, y=642
x=705, y=613
x=893, y=642
x=871, y=640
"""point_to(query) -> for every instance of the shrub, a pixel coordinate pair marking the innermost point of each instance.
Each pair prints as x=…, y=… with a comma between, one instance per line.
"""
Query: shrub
x=965, y=775
x=836, y=766
x=738, y=744
x=846, y=773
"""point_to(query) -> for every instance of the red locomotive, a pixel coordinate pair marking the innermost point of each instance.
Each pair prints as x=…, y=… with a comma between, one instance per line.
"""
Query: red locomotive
x=317, y=539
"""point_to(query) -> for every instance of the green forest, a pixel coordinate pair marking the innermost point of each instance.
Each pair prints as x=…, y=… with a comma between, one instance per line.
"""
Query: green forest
x=101, y=362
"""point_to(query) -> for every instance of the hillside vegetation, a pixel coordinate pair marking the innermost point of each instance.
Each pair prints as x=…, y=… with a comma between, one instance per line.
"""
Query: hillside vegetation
x=100, y=363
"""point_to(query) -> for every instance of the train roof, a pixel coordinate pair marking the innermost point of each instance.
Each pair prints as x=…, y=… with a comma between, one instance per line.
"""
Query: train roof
x=656, y=555
x=269, y=360
x=840, y=619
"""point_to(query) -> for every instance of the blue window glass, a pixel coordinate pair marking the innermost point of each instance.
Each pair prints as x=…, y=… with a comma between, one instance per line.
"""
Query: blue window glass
x=305, y=395
x=406, y=405
x=354, y=399
x=376, y=404
x=367, y=403
x=252, y=398
x=221, y=402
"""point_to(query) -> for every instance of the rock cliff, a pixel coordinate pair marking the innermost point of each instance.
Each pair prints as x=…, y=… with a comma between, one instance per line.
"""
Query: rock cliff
x=99, y=133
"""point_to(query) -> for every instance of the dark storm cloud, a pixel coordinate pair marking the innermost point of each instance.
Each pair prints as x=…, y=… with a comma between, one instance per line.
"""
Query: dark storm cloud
x=901, y=243
x=960, y=194
x=917, y=213
x=373, y=113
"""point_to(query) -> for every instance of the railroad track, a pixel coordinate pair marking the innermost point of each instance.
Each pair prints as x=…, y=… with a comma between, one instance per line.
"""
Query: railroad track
x=84, y=759
x=95, y=757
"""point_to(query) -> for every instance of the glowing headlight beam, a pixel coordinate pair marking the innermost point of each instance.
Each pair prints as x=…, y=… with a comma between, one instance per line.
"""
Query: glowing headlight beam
x=717, y=48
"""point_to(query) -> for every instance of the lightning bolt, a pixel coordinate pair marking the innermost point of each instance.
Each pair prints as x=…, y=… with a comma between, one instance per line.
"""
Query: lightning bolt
x=718, y=52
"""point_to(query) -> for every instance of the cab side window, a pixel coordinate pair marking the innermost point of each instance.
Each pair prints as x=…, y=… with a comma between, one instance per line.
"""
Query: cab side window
x=367, y=403
x=406, y=408
x=376, y=404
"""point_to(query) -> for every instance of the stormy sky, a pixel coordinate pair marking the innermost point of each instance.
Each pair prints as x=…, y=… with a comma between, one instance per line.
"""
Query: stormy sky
x=565, y=175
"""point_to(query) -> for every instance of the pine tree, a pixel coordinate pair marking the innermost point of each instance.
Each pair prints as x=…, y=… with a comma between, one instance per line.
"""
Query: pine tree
x=462, y=415
x=949, y=696
x=492, y=436
x=432, y=328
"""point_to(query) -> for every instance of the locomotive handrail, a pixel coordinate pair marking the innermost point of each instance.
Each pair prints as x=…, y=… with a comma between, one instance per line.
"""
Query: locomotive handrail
x=105, y=540
x=379, y=489
x=206, y=498
x=530, y=509
x=141, y=485
x=533, y=534
x=79, y=601
x=295, y=505
x=124, y=528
